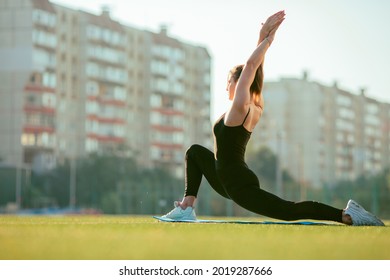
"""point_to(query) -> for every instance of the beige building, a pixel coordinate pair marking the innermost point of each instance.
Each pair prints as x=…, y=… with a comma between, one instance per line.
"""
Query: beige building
x=73, y=83
x=324, y=133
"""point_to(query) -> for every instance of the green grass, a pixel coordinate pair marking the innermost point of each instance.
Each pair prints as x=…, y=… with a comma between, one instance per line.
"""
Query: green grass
x=143, y=238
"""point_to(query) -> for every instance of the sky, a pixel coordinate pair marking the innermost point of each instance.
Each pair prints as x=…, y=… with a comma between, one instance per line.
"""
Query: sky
x=343, y=41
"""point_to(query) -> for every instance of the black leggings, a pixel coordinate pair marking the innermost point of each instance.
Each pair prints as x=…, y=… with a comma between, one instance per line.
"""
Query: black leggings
x=241, y=185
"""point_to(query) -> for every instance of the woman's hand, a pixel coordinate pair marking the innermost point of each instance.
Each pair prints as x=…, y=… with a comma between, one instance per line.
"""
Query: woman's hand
x=271, y=35
x=271, y=25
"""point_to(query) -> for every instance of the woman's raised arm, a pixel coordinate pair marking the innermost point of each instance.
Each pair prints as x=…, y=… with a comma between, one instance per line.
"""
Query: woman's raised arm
x=242, y=96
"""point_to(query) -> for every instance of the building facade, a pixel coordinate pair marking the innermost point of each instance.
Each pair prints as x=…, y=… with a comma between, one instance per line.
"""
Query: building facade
x=74, y=83
x=323, y=133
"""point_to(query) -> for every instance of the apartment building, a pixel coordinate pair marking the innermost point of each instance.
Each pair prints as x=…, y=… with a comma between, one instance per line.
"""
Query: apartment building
x=323, y=133
x=74, y=83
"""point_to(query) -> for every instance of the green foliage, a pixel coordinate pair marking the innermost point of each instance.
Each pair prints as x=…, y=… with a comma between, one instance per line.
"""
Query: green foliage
x=111, y=203
x=111, y=183
x=7, y=183
x=264, y=163
x=373, y=192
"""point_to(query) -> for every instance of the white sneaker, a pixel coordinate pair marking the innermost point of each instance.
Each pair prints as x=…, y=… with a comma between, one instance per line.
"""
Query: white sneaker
x=179, y=214
x=361, y=217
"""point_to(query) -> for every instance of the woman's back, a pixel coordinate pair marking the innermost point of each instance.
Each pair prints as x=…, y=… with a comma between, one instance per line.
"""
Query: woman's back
x=230, y=143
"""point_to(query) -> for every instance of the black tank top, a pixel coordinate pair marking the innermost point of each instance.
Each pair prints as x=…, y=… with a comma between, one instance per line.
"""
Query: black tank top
x=230, y=143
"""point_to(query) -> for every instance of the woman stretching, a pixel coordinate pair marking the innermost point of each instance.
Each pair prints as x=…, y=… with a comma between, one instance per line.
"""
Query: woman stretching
x=226, y=170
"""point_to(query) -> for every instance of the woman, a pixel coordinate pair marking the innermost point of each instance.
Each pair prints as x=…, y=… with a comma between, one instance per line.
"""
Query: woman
x=226, y=170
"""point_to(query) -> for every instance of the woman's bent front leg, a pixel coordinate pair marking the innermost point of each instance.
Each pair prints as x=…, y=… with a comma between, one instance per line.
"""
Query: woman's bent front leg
x=199, y=162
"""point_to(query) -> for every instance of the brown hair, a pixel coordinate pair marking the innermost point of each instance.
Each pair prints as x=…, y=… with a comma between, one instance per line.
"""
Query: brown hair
x=257, y=84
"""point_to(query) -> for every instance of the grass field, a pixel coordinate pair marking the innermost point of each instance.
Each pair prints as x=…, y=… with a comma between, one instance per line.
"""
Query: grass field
x=144, y=238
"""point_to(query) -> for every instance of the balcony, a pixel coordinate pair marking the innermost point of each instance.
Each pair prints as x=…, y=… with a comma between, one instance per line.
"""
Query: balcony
x=106, y=138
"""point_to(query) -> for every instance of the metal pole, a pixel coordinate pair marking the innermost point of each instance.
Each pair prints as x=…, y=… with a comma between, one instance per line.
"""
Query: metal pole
x=302, y=175
x=375, y=196
x=18, y=187
x=279, y=178
x=72, y=185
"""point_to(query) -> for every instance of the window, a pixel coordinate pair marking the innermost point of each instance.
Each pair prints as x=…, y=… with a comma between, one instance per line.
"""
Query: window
x=161, y=85
x=178, y=88
x=92, y=107
x=35, y=78
x=93, y=32
x=160, y=67
x=119, y=93
x=115, y=74
x=47, y=140
x=106, y=54
x=155, y=100
x=372, y=108
x=49, y=100
x=106, y=35
x=44, y=58
x=155, y=118
x=167, y=101
x=344, y=100
x=92, y=126
x=49, y=79
x=178, y=105
x=31, y=99
x=28, y=139
x=178, y=54
x=92, y=88
x=372, y=132
x=344, y=125
x=33, y=119
x=346, y=113
x=91, y=145
x=44, y=38
x=372, y=120
x=178, y=137
x=119, y=130
x=44, y=18
x=92, y=69
x=155, y=153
